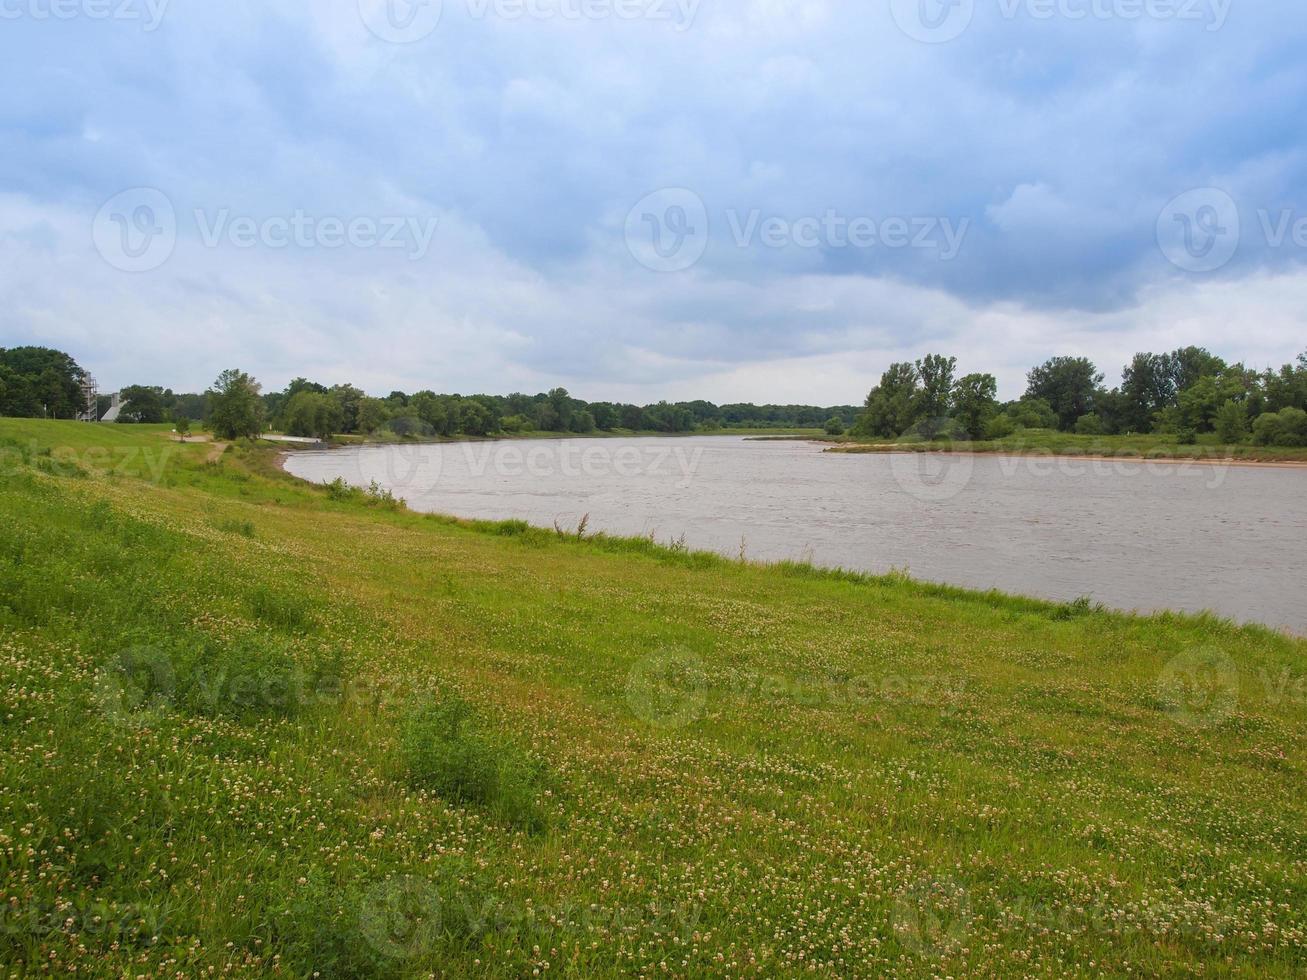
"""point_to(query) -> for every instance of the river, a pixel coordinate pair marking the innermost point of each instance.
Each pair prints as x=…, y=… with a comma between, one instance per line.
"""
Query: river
x=1131, y=535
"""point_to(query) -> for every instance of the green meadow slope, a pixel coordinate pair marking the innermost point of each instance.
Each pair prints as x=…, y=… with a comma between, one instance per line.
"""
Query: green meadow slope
x=252, y=726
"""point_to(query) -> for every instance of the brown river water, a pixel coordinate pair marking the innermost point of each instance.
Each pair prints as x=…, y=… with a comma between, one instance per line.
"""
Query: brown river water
x=1131, y=535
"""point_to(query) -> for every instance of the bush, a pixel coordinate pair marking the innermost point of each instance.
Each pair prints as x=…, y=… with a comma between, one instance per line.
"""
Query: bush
x=1000, y=427
x=1033, y=413
x=1231, y=422
x=447, y=750
x=834, y=427
x=1090, y=425
x=1285, y=428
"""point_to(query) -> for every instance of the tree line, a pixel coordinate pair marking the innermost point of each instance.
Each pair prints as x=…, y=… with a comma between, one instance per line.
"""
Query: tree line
x=38, y=382
x=1186, y=393
x=306, y=408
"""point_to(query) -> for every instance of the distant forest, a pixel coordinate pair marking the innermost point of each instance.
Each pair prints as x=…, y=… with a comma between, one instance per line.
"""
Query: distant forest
x=1187, y=394
x=38, y=382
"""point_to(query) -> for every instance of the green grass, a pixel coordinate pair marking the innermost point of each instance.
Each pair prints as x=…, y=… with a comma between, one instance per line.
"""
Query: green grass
x=252, y=728
x=1047, y=442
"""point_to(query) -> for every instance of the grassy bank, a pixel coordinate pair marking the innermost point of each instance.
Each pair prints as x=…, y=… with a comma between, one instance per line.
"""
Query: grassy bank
x=259, y=726
x=1045, y=442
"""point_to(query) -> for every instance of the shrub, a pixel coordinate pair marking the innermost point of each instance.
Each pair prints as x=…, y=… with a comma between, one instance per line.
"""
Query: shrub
x=1000, y=427
x=1231, y=422
x=834, y=427
x=1090, y=425
x=447, y=750
x=1285, y=428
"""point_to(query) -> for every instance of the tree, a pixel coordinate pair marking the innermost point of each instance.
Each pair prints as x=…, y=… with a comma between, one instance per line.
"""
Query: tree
x=349, y=399
x=141, y=404
x=373, y=414
x=559, y=415
x=605, y=415
x=235, y=409
x=1068, y=384
x=475, y=418
x=975, y=403
x=1147, y=387
x=834, y=426
x=1287, y=388
x=182, y=425
x=312, y=414
x=40, y=382
x=934, y=397
x=1189, y=364
x=890, y=406
x=632, y=417
x=1231, y=422
x=582, y=422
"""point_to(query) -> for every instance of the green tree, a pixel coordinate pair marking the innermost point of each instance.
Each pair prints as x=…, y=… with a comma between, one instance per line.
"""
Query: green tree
x=934, y=397
x=372, y=415
x=632, y=417
x=1068, y=384
x=1190, y=364
x=349, y=399
x=312, y=414
x=1147, y=387
x=582, y=422
x=40, y=382
x=182, y=426
x=235, y=408
x=975, y=403
x=475, y=418
x=605, y=415
x=890, y=406
x=141, y=404
x=834, y=426
x=1231, y=422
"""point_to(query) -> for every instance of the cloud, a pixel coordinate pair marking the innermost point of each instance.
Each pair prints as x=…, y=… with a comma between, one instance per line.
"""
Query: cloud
x=1055, y=142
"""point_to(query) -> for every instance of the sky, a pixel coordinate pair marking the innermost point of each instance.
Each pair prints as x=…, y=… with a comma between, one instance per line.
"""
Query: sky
x=758, y=200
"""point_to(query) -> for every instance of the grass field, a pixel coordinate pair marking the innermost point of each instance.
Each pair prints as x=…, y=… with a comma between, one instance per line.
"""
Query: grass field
x=253, y=726
x=1048, y=442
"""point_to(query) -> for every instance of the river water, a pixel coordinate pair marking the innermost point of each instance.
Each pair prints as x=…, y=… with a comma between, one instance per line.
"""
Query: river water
x=1131, y=535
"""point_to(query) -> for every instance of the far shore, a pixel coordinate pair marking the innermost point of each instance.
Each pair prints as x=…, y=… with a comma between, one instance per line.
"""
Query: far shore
x=915, y=448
